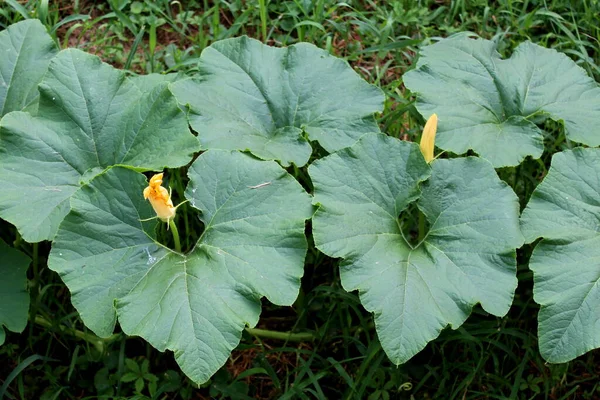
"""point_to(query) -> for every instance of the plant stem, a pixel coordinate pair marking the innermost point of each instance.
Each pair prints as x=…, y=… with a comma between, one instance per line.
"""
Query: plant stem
x=34, y=287
x=175, y=235
x=287, y=336
x=180, y=191
x=421, y=226
x=94, y=340
x=262, y=4
x=35, y=263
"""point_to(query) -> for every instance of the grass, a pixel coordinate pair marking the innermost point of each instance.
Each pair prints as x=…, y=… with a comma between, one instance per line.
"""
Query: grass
x=486, y=358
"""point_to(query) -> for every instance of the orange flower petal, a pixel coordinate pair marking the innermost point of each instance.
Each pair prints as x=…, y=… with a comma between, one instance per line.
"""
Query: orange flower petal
x=159, y=199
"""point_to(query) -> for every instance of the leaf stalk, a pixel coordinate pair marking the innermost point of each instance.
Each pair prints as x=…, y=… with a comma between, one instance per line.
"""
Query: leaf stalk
x=287, y=336
x=96, y=341
x=175, y=233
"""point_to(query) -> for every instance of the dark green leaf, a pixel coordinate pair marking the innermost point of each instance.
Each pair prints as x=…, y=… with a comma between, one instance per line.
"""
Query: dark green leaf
x=139, y=385
x=129, y=377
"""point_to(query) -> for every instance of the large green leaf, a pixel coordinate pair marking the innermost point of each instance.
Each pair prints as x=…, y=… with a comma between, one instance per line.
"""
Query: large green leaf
x=565, y=211
x=492, y=105
x=26, y=50
x=195, y=304
x=90, y=117
x=466, y=257
x=14, y=299
x=270, y=101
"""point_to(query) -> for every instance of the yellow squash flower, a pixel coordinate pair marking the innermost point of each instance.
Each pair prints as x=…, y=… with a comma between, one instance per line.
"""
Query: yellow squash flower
x=428, y=138
x=160, y=198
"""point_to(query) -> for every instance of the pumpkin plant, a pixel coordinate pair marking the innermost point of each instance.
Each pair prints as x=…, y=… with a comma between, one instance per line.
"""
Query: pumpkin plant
x=496, y=107
x=77, y=162
x=77, y=136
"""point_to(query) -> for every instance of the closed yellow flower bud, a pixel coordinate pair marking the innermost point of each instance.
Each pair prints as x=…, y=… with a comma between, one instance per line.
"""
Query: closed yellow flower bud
x=160, y=199
x=428, y=138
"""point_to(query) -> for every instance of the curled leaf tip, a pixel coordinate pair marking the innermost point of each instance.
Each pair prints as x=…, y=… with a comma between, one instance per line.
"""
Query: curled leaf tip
x=160, y=198
x=428, y=138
